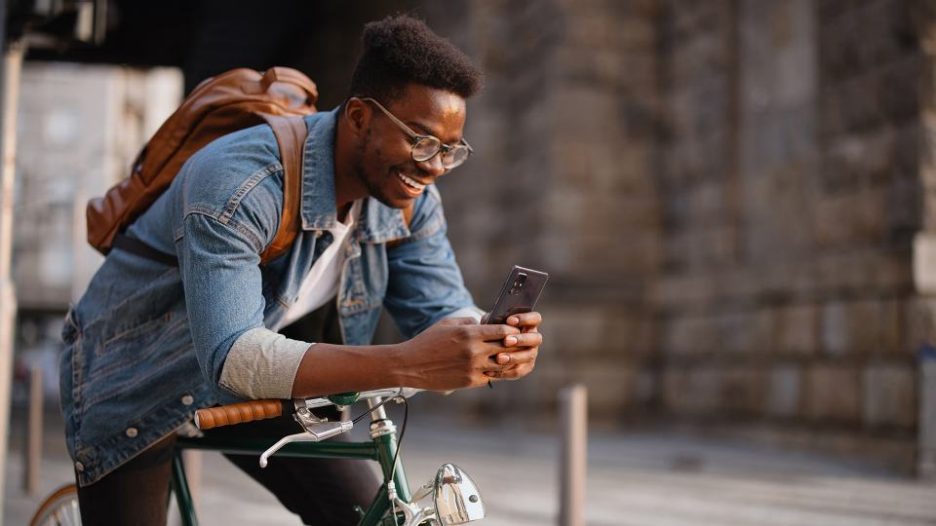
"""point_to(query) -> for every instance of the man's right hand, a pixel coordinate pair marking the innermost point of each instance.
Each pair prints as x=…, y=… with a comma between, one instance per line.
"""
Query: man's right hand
x=456, y=353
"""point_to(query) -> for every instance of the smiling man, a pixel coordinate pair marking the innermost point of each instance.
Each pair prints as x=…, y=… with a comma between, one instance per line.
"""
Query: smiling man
x=150, y=342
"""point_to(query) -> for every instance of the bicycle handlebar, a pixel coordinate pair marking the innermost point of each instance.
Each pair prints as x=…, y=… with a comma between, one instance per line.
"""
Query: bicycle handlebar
x=254, y=410
x=239, y=413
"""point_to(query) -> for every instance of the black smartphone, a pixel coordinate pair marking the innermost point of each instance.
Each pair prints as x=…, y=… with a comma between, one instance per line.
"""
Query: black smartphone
x=519, y=293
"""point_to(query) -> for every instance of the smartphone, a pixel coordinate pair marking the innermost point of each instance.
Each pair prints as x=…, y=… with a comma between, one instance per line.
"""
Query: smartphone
x=518, y=294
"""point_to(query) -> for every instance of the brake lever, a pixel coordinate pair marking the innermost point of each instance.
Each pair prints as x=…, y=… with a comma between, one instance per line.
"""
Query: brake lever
x=313, y=433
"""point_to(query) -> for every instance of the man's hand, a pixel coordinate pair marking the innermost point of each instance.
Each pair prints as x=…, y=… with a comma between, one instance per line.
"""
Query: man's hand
x=458, y=353
x=520, y=359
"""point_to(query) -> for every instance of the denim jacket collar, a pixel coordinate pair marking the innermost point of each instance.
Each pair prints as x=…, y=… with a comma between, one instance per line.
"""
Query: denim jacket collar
x=379, y=222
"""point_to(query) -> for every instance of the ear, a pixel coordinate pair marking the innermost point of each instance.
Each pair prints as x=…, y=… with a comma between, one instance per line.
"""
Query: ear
x=358, y=115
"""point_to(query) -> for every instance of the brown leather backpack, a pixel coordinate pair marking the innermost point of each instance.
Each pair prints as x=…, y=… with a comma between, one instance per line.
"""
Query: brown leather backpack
x=220, y=105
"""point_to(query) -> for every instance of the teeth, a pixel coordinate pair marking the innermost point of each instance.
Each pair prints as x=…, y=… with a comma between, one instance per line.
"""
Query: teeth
x=415, y=185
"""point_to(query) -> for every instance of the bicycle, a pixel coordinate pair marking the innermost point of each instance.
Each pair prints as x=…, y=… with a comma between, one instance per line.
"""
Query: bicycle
x=450, y=498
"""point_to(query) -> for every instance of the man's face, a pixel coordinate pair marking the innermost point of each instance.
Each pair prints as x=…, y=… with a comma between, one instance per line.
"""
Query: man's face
x=384, y=162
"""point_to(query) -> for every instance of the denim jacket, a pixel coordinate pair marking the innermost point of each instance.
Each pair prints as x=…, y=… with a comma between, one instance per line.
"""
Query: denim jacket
x=146, y=343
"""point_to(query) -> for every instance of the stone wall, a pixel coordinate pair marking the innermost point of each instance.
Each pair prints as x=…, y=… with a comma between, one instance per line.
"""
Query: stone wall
x=726, y=194
x=791, y=198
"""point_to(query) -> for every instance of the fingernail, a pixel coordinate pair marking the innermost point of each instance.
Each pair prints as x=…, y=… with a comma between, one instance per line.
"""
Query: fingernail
x=510, y=340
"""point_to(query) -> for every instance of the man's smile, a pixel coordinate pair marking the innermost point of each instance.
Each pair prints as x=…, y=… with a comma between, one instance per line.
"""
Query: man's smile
x=412, y=186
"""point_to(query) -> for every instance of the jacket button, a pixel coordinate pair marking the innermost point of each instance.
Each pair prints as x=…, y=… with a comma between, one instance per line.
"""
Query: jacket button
x=79, y=466
x=188, y=400
x=131, y=432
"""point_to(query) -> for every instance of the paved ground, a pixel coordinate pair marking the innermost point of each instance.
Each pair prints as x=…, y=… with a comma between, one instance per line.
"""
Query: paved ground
x=633, y=479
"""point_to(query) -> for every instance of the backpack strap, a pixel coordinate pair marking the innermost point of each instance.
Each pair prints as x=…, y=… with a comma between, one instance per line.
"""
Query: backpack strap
x=290, y=135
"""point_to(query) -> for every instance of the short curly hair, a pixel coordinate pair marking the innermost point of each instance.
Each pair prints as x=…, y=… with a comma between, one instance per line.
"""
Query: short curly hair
x=400, y=50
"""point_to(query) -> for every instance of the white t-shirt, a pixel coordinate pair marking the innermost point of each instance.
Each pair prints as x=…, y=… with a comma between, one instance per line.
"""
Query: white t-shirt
x=321, y=284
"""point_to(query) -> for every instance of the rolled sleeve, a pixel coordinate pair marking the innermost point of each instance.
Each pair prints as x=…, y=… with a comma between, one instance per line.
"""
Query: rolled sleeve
x=262, y=364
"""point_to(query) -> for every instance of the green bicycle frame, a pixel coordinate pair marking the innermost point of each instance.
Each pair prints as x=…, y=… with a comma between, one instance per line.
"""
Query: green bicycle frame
x=380, y=449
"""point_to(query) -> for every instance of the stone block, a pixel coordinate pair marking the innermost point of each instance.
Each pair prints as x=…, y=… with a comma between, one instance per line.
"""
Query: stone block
x=885, y=27
x=909, y=150
x=857, y=113
x=784, y=391
x=862, y=272
x=611, y=387
x=691, y=334
x=890, y=395
x=832, y=394
x=577, y=332
x=747, y=332
x=852, y=327
x=898, y=89
x=713, y=390
x=691, y=391
x=919, y=323
x=853, y=217
x=797, y=330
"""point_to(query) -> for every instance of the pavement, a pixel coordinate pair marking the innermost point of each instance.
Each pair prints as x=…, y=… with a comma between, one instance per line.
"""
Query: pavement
x=640, y=479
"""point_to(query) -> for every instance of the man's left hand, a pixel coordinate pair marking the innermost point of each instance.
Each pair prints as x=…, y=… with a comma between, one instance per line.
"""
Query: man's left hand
x=520, y=358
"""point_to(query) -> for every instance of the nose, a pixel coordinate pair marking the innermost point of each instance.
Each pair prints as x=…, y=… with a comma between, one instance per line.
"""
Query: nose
x=433, y=167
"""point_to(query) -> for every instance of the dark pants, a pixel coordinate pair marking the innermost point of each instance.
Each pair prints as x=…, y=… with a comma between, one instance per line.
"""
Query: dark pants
x=323, y=492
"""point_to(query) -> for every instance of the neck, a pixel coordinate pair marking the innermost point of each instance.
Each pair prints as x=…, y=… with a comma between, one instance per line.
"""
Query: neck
x=348, y=186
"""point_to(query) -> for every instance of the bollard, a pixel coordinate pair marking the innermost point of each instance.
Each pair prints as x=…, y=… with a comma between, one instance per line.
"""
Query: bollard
x=573, y=407
x=33, y=450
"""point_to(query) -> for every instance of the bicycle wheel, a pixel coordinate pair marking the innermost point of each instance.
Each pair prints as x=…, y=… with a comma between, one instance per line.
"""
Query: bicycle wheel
x=59, y=509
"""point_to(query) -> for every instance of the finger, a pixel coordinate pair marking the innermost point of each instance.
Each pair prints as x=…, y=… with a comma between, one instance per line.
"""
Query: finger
x=525, y=319
x=509, y=360
x=519, y=357
x=491, y=333
x=512, y=373
x=527, y=339
x=457, y=321
x=515, y=373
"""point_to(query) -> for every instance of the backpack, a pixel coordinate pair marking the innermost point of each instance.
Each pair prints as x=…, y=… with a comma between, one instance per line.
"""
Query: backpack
x=237, y=99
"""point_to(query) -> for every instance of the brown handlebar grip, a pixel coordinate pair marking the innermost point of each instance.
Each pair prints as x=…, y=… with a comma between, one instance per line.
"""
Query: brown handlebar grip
x=238, y=413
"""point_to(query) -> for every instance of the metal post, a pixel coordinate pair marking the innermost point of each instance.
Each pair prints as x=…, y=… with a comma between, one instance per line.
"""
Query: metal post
x=32, y=453
x=12, y=64
x=573, y=407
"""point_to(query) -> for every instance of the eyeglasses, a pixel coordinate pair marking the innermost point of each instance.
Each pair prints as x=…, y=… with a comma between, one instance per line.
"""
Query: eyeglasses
x=425, y=147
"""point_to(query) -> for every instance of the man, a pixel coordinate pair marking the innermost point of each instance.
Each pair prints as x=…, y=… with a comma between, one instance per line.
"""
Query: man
x=150, y=342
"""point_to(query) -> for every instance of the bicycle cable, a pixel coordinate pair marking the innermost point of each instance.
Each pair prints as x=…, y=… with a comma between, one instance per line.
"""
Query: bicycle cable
x=389, y=399
x=396, y=454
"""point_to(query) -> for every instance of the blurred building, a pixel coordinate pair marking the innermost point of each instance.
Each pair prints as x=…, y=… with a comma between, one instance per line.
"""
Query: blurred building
x=79, y=128
x=731, y=197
